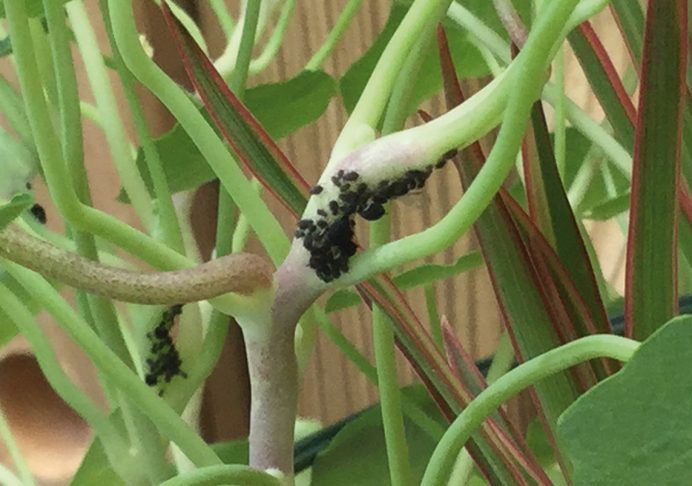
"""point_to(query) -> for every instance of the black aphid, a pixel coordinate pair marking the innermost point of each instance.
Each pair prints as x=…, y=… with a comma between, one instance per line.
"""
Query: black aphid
x=39, y=213
x=316, y=189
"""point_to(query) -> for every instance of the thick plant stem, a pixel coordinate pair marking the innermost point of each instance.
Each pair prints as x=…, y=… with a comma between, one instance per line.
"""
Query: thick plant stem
x=508, y=385
x=269, y=341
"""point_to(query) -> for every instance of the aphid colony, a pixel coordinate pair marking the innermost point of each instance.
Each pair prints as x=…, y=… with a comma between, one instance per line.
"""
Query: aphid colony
x=164, y=363
x=329, y=237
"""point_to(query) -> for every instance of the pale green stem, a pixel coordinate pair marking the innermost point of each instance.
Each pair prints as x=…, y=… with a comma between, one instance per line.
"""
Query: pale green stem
x=8, y=478
x=400, y=471
x=239, y=74
x=411, y=408
x=170, y=232
x=110, y=115
x=113, y=443
x=14, y=452
x=340, y=26
x=365, y=117
x=228, y=59
x=526, y=82
x=226, y=474
x=57, y=177
x=43, y=60
x=223, y=16
x=503, y=359
x=189, y=24
x=560, y=115
x=12, y=109
x=203, y=135
x=272, y=46
x=164, y=418
x=527, y=374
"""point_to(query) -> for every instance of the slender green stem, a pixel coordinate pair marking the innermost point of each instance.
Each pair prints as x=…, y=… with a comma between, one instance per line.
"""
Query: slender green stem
x=8, y=478
x=110, y=115
x=168, y=220
x=521, y=377
x=271, y=48
x=100, y=312
x=111, y=439
x=43, y=61
x=365, y=117
x=390, y=399
x=560, y=130
x=434, y=323
x=410, y=407
x=340, y=26
x=203, y=135
x=12, y=109
x=223, y=16
x=15, y=453
x=346, y=347
x=527, y=78
x=57, y=177
x=226, y=474
x=188, y=24
x=165, y=419
x=247, y=41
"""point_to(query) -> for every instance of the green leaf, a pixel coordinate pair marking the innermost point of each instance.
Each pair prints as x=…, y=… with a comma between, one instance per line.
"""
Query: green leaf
x=634, y=427
x=357, y=454
x=18, y=165
x=95, y=469
x=652, y=244
x=282, y=108
x=12, y=209
x=429, y=81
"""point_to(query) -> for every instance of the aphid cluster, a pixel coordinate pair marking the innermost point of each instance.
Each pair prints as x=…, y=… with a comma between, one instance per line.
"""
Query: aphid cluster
x=329, y=237
x=164, y=363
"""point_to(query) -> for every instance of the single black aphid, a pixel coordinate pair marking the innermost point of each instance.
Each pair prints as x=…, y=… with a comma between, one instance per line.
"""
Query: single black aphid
x=314, y=190
x=39, y=213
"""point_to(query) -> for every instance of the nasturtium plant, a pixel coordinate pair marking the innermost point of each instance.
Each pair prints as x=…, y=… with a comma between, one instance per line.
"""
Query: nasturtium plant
x=633, y=428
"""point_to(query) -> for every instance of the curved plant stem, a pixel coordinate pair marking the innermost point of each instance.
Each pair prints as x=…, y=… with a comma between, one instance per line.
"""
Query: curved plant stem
x=264, y=224
x=387, y=380
x=98, y=312
x=111, y=439
x=508, y=385
x=226, y=474
x=15, y=453
x=165, y=419
x=8, y=478
x=242, y=273
x=342, y=22
x=361, y=125
x=61, y=188
x=527, y=78
x=272, y=46
x=170, y=226
x=223, y=16
x=108, y=108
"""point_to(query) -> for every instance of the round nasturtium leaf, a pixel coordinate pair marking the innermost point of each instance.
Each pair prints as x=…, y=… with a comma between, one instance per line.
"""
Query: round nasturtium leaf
x=635, y=428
